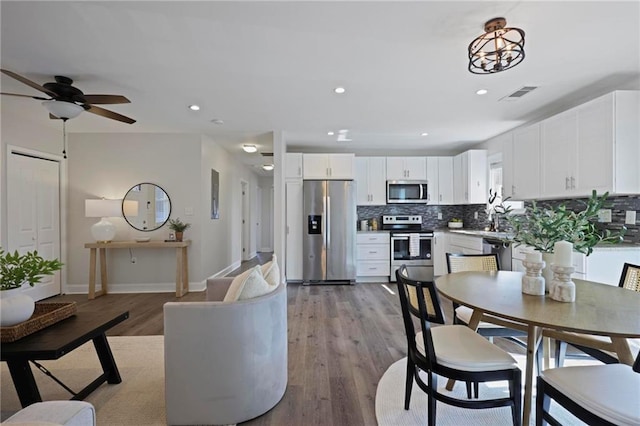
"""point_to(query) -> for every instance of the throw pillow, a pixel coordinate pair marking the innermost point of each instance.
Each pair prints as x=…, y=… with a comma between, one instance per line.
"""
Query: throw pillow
x=235, y=288
x=271, y=271
x=255, y=285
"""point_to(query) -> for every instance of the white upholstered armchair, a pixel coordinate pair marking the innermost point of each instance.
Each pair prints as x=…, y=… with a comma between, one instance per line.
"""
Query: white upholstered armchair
x=225, y=362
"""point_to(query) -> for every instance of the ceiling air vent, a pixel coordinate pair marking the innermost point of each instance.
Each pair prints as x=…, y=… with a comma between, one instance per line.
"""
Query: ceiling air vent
x=519, y=93
x=267, y=154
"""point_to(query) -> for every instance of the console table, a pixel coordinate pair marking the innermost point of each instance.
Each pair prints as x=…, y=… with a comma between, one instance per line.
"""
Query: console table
x=182, y=262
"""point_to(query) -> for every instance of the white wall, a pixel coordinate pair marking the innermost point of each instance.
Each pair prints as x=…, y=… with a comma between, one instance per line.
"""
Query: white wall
x=266, y=214
x=108, y=165
x=221, y=238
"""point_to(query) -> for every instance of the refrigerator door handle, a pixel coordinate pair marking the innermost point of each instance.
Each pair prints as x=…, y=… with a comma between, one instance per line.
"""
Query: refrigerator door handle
x=327, y=220
x=324, y=224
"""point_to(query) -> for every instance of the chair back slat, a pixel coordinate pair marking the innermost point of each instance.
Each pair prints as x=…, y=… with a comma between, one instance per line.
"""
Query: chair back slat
x=472, y=262
x=630, y=278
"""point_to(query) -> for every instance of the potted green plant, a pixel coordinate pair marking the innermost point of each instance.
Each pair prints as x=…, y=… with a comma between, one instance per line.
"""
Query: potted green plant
x=178, y=227
x=17, y=270
x=541, y=228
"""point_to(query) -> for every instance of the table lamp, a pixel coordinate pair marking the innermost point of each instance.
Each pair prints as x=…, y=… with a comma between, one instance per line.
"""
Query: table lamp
x=103, y=230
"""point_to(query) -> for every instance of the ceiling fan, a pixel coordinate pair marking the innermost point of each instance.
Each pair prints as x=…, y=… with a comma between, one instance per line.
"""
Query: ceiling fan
x=66, y=101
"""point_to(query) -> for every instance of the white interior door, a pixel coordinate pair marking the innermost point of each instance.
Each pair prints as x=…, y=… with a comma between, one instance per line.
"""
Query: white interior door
x=33, y=204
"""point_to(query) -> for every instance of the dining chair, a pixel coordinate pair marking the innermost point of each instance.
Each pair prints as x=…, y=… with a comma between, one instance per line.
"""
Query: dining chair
x=450, y=351
x=596, y=394
x=630, y=280
x=480, y=262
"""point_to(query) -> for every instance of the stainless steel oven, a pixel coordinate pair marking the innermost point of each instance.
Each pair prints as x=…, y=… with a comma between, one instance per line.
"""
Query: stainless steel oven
x=410, y=245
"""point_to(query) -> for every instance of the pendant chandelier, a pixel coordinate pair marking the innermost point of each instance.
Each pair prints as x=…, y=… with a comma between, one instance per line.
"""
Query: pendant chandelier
x=498, y=49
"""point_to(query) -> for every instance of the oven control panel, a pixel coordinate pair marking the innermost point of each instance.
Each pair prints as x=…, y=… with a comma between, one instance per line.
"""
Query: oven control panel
x=402, y=220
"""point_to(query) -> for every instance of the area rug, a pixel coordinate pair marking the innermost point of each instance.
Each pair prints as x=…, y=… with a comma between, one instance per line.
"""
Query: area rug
x=138, y=400
x=390, y=403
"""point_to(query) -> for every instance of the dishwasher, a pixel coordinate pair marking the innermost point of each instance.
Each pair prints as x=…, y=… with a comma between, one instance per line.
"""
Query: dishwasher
x=501, y=248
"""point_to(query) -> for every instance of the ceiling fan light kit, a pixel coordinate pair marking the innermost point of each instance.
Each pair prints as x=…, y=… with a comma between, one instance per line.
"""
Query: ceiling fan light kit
x=498, y=49
x=62, y=109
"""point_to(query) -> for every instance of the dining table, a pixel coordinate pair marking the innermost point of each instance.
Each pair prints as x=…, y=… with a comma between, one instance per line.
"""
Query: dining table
x=598, y=309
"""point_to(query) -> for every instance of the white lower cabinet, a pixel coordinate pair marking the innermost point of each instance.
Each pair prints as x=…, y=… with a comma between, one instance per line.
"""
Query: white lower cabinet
x=439, y=249
x=373, y=253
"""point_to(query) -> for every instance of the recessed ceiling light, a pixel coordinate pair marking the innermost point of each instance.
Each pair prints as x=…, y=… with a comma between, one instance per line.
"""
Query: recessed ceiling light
x=217, y=121
x=482, y=92
x=249, y=148
x=330, y=133
x=267, y=167
x=424, y=134
x=339, y=90
x=194, y=107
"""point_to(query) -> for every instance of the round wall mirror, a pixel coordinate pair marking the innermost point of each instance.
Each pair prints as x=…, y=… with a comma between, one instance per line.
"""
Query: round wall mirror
x=146, y=207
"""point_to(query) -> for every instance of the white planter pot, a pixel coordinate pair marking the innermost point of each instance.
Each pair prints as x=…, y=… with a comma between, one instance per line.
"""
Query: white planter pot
x=15, y=307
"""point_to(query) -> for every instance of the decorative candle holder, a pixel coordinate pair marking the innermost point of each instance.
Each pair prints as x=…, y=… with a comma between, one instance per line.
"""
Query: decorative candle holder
x=533, y=281
x=562, y=288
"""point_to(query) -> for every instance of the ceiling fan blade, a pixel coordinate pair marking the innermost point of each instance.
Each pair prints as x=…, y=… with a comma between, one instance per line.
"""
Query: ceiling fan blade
x=110, y=114
x=29, y=83
x=25, y=96
x=106, y=99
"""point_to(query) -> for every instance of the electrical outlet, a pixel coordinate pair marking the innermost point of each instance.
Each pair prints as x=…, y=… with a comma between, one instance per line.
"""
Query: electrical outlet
x=630, y=218
x=604, y=215
x=475, y=215
x=439, y=216
x=134, y=260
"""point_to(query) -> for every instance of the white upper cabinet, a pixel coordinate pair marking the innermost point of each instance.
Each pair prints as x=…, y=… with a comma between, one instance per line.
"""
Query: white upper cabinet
x=328, y=166
x=445, y=180
x=406, y=168
x=608, y=152
x=470, y=177
x=370, y=180
x=440, y=180
x=521, y=163
x=293, y=168
x=593, y=146
x=559, y=145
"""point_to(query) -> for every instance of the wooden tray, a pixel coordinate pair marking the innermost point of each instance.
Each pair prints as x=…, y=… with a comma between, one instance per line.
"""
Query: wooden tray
x=44, y=315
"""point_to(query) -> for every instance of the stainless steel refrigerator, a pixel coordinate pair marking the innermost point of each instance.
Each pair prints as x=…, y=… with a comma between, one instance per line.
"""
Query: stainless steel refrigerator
x=329, y=243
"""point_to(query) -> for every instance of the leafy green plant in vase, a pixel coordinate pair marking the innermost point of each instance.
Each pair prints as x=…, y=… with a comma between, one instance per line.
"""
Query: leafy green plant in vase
x=541, y=228
x=17, y=270
x=178, y=227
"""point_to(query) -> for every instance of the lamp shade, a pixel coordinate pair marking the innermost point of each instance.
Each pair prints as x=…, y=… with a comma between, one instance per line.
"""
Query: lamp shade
x=62, y=109
x=103, y=208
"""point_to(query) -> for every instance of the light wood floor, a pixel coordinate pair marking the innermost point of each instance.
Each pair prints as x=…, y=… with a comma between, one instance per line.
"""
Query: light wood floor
x=341, y=341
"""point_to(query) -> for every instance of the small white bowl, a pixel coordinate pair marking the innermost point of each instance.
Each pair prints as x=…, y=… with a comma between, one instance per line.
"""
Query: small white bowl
x=455, y=224
x=143, y=239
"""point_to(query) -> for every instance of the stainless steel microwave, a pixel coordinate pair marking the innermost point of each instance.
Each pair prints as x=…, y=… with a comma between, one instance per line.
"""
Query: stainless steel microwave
x=406, y=191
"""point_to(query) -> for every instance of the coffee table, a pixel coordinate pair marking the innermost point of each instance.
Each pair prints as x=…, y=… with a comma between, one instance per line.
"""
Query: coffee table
x=56, y=341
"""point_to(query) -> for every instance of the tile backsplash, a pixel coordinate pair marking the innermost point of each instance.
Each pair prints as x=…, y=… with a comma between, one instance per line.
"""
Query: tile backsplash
x=618, y=205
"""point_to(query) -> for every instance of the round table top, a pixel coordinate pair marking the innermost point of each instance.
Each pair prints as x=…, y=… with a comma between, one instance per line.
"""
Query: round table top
x=598, y=309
